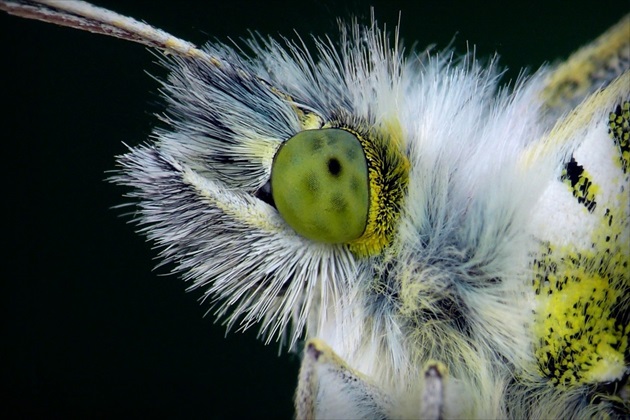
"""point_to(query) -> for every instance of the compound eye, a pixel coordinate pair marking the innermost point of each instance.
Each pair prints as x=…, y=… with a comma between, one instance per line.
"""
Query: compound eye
x=319, y=183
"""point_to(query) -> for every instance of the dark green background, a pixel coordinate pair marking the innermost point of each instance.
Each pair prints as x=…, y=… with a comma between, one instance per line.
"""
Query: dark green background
x=87, y=327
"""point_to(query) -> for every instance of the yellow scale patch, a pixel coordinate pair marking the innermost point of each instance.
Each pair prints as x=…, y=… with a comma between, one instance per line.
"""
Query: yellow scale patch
x=581, y=329
x=619, y=130
x=580, y=340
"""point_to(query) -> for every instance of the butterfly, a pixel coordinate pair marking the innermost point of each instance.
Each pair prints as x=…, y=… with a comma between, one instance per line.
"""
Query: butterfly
x=391, y=391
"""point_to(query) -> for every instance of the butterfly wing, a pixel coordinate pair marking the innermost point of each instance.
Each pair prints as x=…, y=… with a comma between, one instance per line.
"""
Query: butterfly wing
x=582, y=269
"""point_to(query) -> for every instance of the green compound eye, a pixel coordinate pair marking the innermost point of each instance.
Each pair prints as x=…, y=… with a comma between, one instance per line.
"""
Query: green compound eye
x=319, y=183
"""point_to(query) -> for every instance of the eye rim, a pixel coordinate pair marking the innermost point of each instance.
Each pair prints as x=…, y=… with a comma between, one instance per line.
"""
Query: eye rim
x=388, y=173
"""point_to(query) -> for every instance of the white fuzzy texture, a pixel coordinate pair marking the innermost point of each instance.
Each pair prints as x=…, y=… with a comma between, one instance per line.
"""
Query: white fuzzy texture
x=455, y=284
x=493, y=253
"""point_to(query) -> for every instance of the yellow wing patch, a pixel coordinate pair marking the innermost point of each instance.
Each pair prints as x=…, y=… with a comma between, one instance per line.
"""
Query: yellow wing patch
x=580, y=336
x=619, y=130
x=583, y=287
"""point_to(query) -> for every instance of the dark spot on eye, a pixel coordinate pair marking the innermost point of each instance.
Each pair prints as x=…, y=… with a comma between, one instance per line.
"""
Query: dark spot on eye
x=338, y=203
x=317, y=144
x=312, y=182
x=334, y=167
x=321, y=226
x=355, y=184
x=351, y=153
